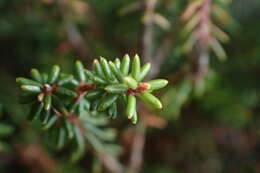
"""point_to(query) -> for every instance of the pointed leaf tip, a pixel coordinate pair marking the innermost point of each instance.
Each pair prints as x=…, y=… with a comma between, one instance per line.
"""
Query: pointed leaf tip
x=157, y=84
x=80, y=71
x=125, y=64
x=131, y=106
x=54, y=74
x=151, y=100
x=36, y=75
x=136, y=67
x=144, y=71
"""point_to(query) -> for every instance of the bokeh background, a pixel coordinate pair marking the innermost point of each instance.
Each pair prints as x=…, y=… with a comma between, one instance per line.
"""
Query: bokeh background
x=209, y=50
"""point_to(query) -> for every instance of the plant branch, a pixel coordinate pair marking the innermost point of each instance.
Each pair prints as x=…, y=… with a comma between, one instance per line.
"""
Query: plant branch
x=146, y=38
x=146, y=51
x=200, y=61
x=73, y=34
x=161, y=53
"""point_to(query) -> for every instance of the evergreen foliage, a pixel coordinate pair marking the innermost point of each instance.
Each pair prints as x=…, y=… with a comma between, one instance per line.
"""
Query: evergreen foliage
x=208, y=50
x=68, y=105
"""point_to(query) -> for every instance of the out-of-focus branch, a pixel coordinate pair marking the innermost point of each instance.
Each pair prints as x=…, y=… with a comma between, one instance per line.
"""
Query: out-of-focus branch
x=201, y=61
x=74, y=36
x=160, y=53
x=199, y=64
x=146, y=37
x=203, y=34
x=164, y=47
x=76, y=39
x=146, y=51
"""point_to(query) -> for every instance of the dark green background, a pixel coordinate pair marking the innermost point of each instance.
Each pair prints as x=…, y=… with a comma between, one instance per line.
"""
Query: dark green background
x=213, y=132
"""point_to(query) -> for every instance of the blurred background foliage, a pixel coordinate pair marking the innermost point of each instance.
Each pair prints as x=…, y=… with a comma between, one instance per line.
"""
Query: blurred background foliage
x=210, y=121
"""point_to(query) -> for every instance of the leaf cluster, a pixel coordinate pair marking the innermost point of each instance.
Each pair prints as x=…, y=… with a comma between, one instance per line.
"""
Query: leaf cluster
x=70, y=104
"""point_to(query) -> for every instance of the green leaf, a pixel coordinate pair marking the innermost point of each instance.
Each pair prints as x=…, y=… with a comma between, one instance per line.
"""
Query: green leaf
x=51, y=122
x=218, y=49
x=94, y=78
x=80, y=71
x=144, y=71
x=125, y=65
x=136, y=67
x=157, y=84
x=116, y=88
x=98, y=69
x=188, y=45
x=59, y=104
x=95, y=104
x=73, y=83
x=61, y=138
x=117, y=63
x=151, y=100
x=44, y=78
x=36, y=75
x=112, y=111
x=46, y=117
x=93, y=94
x=47, y=101
x=73, y=107
x=219, y=34
x=116, y=71
x=191, y=24
x=134, y=118
x=84, y=106
x=130, y=82
x=65, y=91
x=104, y=134
x=107, y=101
x=89, y=74
x=99, y=121
x=54, y=74
x=123, y=98
x=81, y=144
x=69, y=128
x=99, y=81
x=95, y=142
x=106, y=68
x=65, y=79
x=24, y=81
x=131, y=106
x=31, y=89
x=36, y=111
